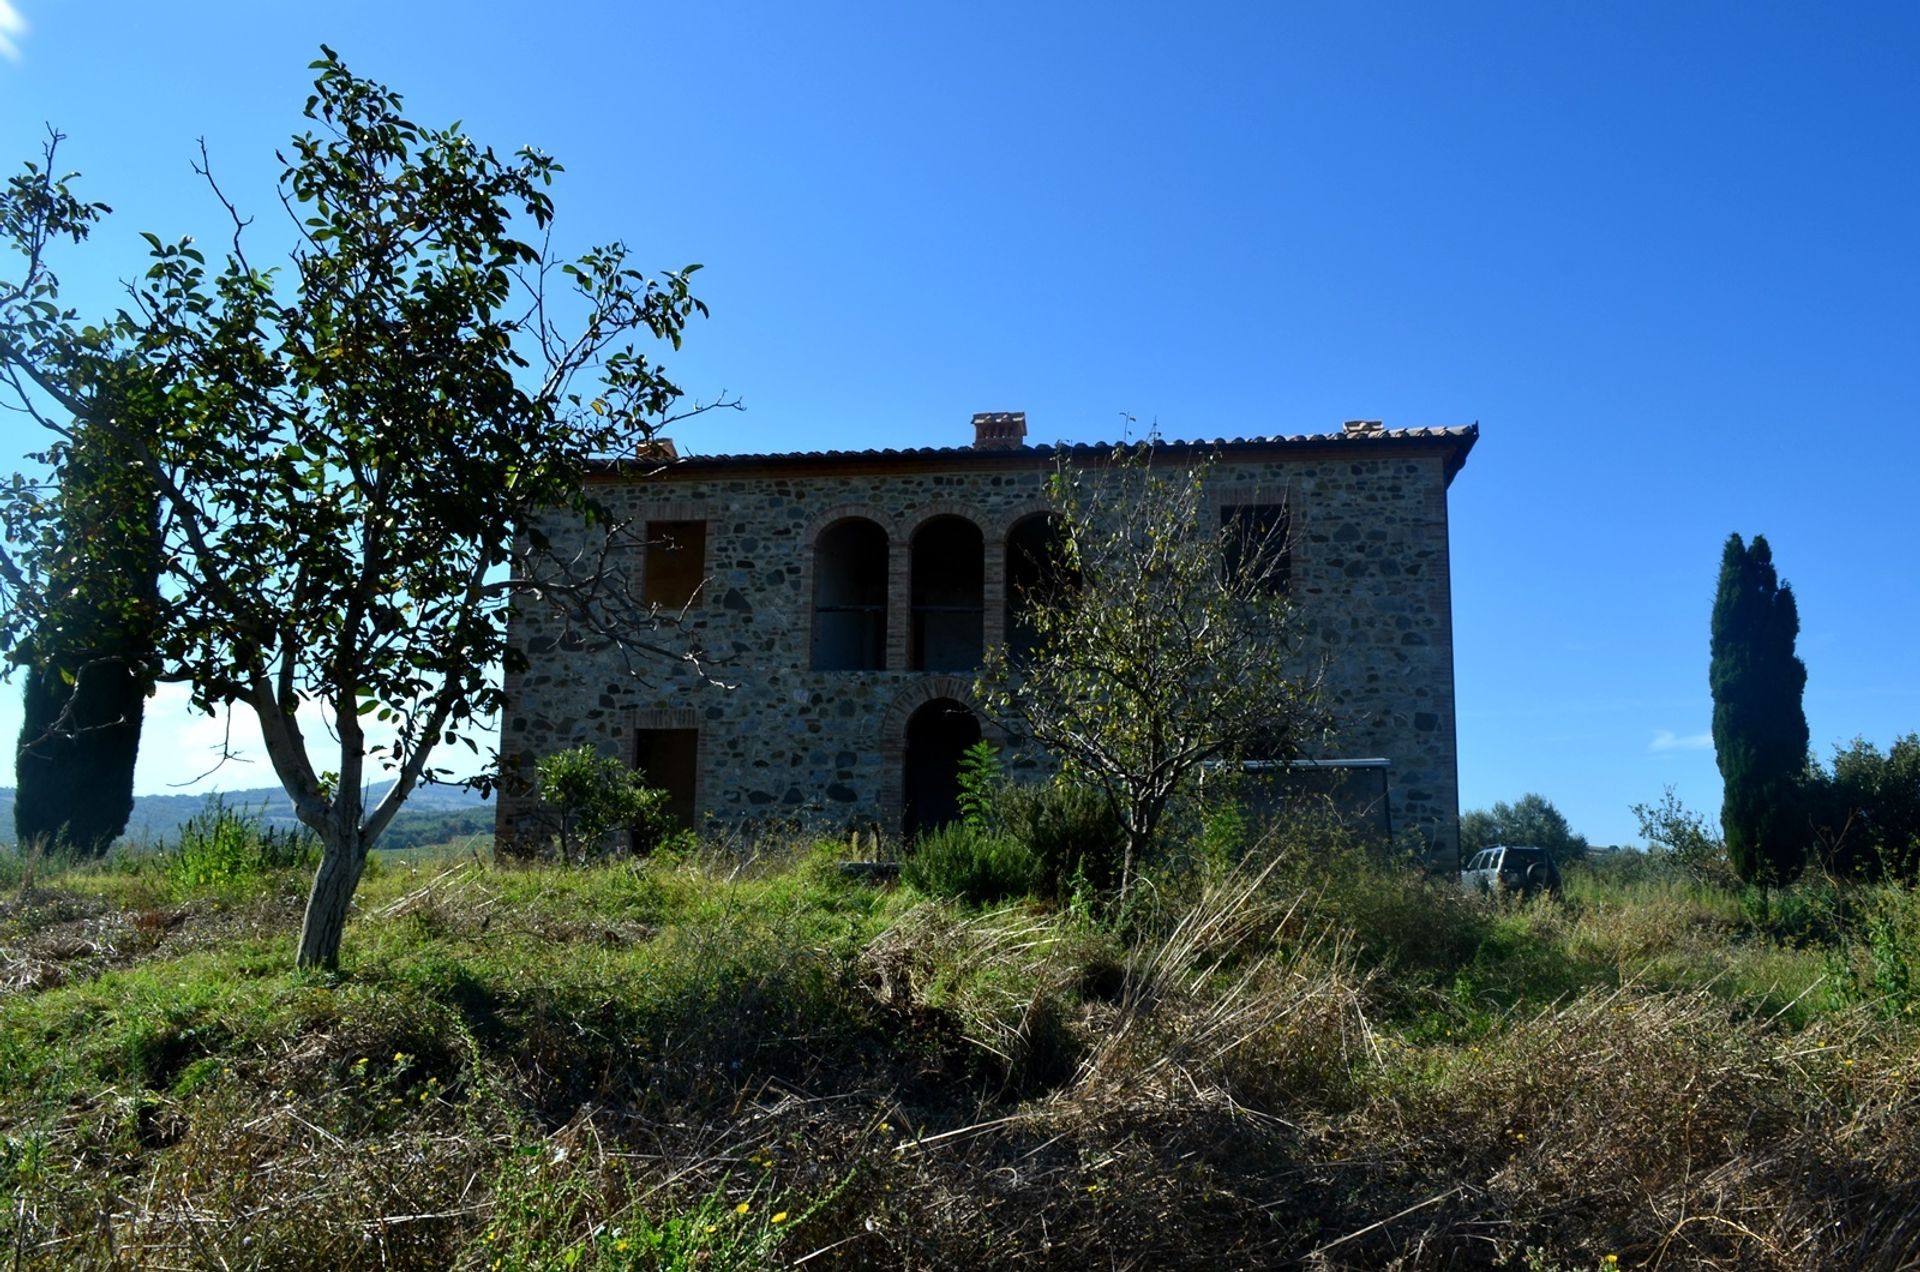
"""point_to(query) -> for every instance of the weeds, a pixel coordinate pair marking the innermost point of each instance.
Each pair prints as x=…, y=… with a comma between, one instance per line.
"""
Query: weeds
x=225, y=850
x=1298, y=1052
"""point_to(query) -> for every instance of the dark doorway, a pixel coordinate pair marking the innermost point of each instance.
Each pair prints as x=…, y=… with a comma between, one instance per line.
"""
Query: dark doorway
x=670, y=760
x=937, y=735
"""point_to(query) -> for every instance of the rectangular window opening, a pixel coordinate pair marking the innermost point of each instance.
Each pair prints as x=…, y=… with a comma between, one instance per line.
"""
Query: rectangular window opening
x=1256, y=547
x=676, y=563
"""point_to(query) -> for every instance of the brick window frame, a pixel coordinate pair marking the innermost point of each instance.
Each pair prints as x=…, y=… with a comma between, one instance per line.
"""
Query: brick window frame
x=809, y=557
x=642, y=721
x=992, y=589
x=649, y=551
x=1263, y=502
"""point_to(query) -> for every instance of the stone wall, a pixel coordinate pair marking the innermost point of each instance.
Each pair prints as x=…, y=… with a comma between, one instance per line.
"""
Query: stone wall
x=778, y=740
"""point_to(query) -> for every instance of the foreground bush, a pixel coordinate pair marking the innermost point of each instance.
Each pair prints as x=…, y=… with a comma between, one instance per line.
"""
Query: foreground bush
x=972, y=864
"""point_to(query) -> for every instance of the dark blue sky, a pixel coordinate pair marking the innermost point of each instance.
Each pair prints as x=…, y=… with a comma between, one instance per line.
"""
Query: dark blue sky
x=1665, y=255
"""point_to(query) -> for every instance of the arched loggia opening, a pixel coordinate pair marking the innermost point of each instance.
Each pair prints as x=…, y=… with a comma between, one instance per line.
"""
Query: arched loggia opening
x=1037, y=572
x=938, y=734
x=949, y=591
x=850, y=597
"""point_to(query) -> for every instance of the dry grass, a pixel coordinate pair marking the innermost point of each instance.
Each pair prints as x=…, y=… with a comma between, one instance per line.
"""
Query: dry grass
x=697, y=1064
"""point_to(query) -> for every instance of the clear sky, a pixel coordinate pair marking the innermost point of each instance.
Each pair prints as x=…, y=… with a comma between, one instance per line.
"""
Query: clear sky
x=1668, y=256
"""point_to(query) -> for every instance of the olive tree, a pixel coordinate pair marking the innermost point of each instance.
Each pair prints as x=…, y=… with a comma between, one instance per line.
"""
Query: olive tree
x=351, y=442
x=1163, y=640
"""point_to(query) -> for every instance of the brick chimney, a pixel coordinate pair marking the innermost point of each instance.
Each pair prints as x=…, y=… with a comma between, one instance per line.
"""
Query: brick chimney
x=1000, y=430
x=1364, y=428
x=656, y=449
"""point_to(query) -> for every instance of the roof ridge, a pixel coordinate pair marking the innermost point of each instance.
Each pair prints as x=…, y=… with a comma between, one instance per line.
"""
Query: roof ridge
x=1431, y=431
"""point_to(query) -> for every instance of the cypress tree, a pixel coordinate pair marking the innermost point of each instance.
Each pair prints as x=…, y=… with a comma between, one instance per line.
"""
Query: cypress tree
x=1759, y=724
x=88, y=663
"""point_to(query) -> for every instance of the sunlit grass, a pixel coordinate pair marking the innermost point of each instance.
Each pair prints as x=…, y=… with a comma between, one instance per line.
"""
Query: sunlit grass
x=599, y=1067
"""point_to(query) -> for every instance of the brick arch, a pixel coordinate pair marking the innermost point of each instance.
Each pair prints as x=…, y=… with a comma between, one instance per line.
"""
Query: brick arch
x=1028, y=511
x=840, y=512
x=818, y=525
x=892, y=740
x=924, y=689
x=1020, y=512
x=952, y=508
x=992, y=589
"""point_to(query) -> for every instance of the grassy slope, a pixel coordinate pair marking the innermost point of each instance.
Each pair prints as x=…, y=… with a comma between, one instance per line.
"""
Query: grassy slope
x=697, y=1064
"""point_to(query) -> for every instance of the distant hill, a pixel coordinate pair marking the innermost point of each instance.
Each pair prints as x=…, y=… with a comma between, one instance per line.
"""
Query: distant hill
x=431, y=812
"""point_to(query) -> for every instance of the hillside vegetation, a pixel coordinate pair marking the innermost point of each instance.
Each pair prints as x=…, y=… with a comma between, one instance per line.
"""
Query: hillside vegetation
x=1288, y=1053
x=433, y=814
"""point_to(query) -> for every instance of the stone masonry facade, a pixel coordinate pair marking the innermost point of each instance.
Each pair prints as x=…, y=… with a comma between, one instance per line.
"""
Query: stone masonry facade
x=795, y=735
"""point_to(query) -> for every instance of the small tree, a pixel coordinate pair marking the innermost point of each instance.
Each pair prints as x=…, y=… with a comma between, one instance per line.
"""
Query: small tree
x=1529, y=822
x=89, y=661
x=1680, y=835
x=350, y=445
x=1759, y=725
x=592, y=795
x=1164, y=642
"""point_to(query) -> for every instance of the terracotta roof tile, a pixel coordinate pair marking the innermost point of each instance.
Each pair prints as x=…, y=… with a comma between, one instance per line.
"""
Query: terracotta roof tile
x=1461, y=437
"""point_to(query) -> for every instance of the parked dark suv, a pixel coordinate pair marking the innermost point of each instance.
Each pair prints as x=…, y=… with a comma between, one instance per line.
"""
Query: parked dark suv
x=1511, y=871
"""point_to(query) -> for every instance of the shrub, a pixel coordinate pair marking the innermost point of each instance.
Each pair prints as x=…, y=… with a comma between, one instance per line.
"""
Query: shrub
x=590, y=795
x=975, y=865
x=1678, y=836
x=1867, y=810
x=1071, y=831
x=1883, y=964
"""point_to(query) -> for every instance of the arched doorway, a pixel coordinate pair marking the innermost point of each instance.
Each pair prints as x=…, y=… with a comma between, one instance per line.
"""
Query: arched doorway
x=937, y=735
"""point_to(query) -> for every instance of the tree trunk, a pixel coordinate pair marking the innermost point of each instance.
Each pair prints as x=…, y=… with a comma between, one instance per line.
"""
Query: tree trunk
x=326, y=921
x=1134, y=853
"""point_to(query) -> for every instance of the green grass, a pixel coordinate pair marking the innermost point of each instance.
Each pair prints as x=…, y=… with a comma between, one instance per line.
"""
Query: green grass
x=710, y=1061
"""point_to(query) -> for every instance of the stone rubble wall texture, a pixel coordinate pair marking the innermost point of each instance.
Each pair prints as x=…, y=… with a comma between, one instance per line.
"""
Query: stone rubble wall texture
x=824, y=749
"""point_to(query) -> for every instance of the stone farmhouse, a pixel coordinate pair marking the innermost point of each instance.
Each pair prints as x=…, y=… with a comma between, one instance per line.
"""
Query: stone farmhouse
x=847, y=597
